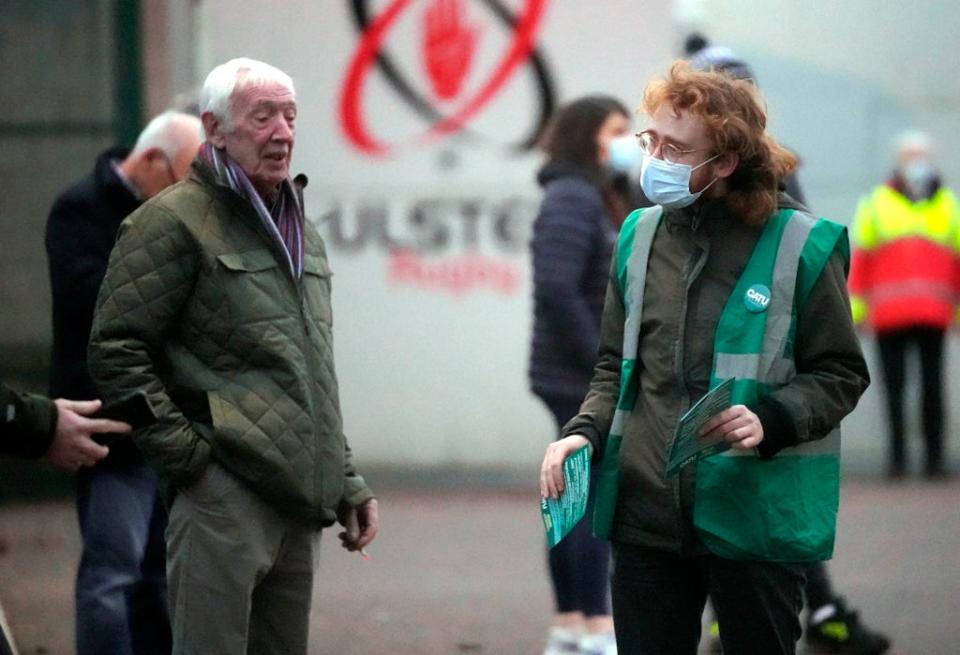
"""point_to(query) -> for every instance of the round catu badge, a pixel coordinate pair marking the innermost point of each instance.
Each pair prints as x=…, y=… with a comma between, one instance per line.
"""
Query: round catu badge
x=757, y=298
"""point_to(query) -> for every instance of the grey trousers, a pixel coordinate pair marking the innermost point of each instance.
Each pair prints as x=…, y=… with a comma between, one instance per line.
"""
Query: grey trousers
x=240, y=575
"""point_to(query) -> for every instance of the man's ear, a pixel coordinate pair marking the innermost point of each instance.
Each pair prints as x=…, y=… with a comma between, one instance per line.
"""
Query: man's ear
x=145, y=166
x=155, y=156
x=213, y=127
x=726, y=164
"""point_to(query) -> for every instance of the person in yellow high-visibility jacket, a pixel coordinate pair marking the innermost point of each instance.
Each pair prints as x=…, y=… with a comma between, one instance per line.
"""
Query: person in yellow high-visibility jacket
x=905, y=283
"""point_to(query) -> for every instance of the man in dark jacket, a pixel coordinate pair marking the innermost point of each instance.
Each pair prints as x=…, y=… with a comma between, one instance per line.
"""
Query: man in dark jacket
x=121, y=585
x=216, y=303
x=723, y=280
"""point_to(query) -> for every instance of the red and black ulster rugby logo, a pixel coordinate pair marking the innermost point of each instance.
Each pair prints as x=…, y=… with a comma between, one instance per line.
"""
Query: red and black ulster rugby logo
x=448, y=46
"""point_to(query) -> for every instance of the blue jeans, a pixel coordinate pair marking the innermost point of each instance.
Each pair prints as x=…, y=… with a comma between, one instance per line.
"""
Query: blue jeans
x=121, y=591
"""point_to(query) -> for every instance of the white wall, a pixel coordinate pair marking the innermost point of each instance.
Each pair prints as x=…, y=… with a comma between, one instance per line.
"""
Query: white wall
x=431, y=376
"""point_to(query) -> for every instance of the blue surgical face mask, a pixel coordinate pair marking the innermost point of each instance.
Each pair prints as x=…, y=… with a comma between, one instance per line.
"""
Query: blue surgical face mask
x=668, y=185
x=918, y=173
x=624, y=152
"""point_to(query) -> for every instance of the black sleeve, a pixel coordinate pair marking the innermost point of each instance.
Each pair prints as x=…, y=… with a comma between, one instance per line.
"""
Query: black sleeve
x=27, y=423
x=78, y=249
x=78, y=261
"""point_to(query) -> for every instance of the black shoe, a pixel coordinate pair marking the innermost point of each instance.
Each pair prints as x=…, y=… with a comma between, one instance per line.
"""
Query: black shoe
x=936, y=473
x=843, y=633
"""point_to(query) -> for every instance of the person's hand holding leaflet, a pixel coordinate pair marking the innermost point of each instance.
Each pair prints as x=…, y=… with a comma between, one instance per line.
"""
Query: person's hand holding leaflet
x=551, y=471
x=737, y=425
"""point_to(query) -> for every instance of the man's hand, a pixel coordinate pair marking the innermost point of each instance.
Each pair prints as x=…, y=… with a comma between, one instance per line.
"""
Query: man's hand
x=361, y=525
x=737, y=425
x=551, y=471
x=72, y=446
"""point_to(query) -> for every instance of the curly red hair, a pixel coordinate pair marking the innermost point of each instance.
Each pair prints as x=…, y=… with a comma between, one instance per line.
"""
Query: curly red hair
x=736, y=121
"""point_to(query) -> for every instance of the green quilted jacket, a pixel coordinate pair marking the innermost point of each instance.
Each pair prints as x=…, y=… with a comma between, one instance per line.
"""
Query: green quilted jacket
x=199, y=309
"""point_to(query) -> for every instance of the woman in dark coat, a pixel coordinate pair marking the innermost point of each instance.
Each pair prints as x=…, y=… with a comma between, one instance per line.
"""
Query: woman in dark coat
x=573, y=237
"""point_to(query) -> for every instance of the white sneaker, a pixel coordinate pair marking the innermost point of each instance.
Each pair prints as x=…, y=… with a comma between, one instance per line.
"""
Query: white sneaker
x=604, y=643
x=562, y=641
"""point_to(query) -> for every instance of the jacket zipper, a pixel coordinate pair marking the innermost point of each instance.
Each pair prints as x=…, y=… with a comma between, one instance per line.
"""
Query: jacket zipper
x=693, y=269
x=311, y=374
x=305, y=323
x=308, y=356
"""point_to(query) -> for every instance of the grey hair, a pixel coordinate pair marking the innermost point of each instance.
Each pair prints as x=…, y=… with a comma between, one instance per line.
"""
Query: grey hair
x=912, y=140
x=169, y=132
x=225, y=80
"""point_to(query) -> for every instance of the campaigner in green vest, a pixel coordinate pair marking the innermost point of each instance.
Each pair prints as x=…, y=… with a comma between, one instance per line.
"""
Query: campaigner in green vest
x=725, y=277
x=832, y=626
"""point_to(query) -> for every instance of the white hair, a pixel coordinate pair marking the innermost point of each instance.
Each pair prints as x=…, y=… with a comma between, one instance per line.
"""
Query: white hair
x=912, y=140
x=217, y=94
x=170, y=132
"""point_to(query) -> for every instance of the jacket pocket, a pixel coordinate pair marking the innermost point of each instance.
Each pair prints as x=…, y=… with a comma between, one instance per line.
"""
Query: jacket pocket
x=317, y=288
x=252, y=285
x=238, y=444
x=250, y=262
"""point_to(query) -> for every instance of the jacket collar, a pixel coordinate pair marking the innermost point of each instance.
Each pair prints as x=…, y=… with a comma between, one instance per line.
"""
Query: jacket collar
x=203, y=175
x=713, y=216
x=106, y=177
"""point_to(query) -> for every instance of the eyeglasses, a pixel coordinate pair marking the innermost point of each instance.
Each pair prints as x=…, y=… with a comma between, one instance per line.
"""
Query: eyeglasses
x=668, y=152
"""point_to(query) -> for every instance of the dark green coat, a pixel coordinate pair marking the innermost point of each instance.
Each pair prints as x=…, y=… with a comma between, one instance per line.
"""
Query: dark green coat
x=200, y=310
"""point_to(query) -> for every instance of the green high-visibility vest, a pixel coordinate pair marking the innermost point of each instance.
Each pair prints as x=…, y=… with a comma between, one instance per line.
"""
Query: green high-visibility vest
x=780, y=509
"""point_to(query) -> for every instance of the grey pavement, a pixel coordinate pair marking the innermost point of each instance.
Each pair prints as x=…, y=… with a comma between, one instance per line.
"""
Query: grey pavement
x=463, y=571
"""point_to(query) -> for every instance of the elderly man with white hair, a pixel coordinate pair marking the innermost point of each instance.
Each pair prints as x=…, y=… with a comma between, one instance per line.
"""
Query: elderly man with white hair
x=905, y=283
x=216, y=303
x=121, y=586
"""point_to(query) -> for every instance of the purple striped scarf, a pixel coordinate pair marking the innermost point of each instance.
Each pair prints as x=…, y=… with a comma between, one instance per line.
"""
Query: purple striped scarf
x=283, y=220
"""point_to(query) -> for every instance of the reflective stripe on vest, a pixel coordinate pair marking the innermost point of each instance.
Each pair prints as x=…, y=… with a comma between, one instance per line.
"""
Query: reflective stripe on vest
x=631, y=269
x=913, y=289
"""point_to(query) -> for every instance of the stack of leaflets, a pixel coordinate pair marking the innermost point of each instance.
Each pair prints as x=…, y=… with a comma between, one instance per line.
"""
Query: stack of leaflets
x=688, y=445
x=560, y=516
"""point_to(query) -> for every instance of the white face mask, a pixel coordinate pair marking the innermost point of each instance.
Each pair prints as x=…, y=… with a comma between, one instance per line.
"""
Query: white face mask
x=624, y=152
x=919, y=173
x=668, y=185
